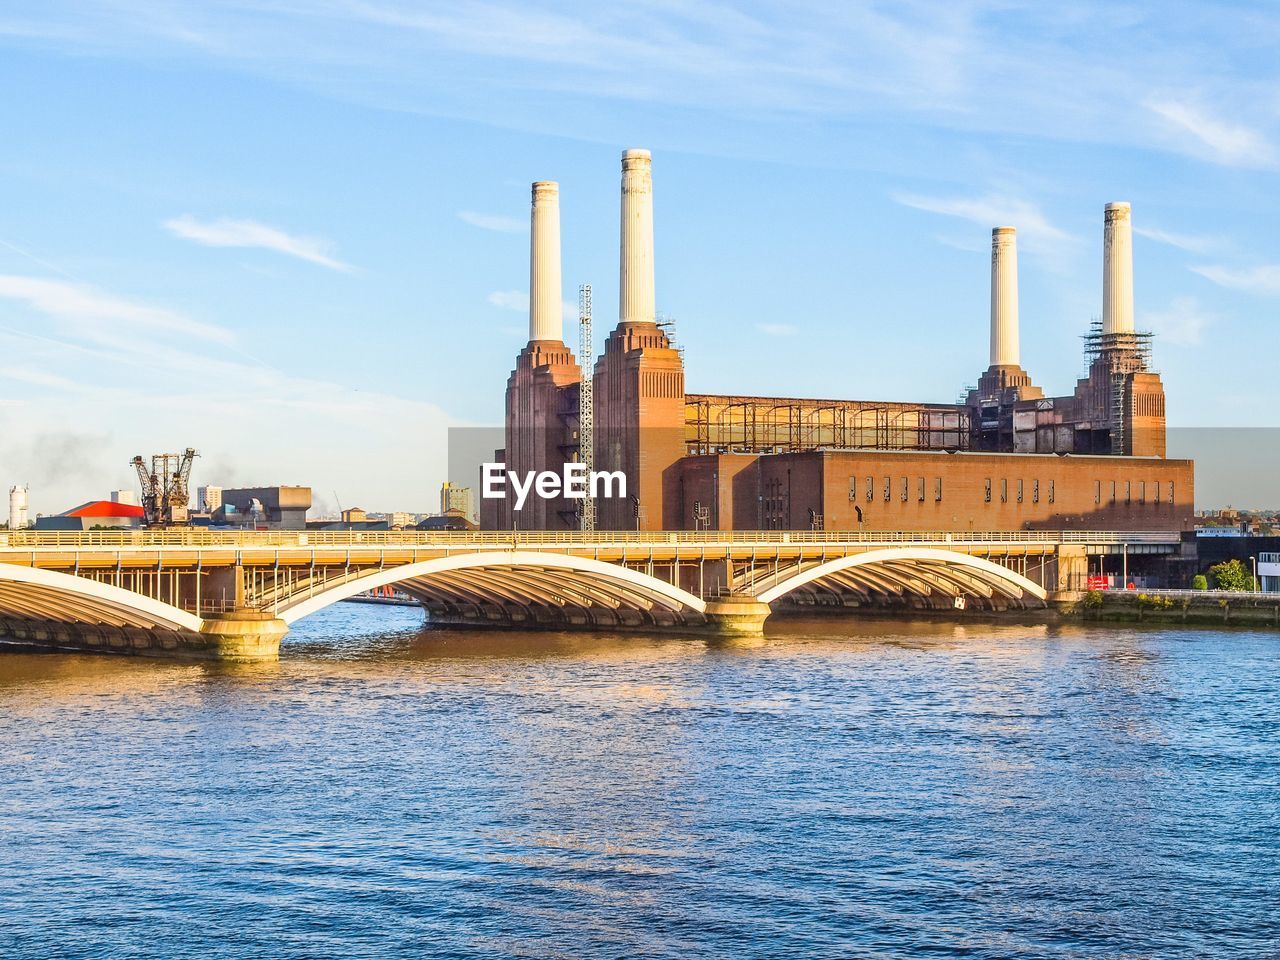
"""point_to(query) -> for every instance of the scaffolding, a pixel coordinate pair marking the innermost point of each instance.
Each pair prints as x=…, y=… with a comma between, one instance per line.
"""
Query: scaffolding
x=1119, y=355
x=730, y=424
x=586, y=414
x=1123, y=352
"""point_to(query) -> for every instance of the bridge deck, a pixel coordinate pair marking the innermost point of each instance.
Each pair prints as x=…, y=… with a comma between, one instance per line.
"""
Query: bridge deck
x=193, y=580
x=206, y=549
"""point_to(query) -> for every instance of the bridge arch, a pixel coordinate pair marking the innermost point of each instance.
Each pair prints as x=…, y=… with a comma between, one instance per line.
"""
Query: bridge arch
x=30, y=593
x=917, y=570
x=524, y=580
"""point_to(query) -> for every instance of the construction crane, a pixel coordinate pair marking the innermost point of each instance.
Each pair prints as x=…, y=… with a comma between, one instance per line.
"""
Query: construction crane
x=586, y=441
x=166, y=488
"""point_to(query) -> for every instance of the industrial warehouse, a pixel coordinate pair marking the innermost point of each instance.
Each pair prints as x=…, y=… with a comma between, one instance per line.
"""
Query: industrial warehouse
x=1006, y=458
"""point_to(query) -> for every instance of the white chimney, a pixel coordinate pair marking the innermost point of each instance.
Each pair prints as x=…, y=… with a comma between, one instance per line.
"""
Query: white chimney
x=1117, y=270
x=546, y=311
x=1004, y=297
x=636, y=301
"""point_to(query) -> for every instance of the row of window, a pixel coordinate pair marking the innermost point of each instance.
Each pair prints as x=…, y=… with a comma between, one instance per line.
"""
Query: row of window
x=1022, y=491
x=1128, y=489
x=905, y=489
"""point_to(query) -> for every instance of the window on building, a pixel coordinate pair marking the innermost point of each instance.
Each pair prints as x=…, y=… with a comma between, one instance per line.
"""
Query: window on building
x=871, y=489
x=1156, y=499
x=1128, y=492
x=1019, y=491
x=987, y=496
x=906, y=489
x=920, y=489
x=1113, y=493
x=1051, y=491
x=853, y=488
x=1004, y=489
x=1142, y=492
x=1097, y=491
x=888, y=489
x=1171, y=491
x=937, y=489
x=1035, y=491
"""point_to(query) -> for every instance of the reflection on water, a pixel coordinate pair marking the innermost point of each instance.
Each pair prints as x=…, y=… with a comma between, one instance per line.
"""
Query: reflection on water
x=844, y=788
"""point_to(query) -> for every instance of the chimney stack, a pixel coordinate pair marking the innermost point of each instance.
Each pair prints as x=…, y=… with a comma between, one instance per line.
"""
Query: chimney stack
x=1004, y=297
x=636, y=301
x=546, y=311
x=1117, y=270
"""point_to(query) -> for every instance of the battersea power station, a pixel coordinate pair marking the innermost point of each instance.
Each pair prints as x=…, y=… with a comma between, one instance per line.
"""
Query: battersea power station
x=1008, y=457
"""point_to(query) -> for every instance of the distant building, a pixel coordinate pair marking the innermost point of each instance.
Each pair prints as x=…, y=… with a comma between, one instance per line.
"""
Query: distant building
x=1269, y=572
x=455, y=499
x=361, y=525
x=208, y=498
x=271, y=508
x=447, y=521
x=399, y=519
x=18, y=507
x=1248, y=550
x=355, y=515
x=124, y=496
x=95, y=514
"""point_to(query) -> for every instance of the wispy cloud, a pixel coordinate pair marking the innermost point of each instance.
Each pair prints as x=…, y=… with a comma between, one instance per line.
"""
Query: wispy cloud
x=509, y=300
x=99, y=315
x=1183, y=241
x=136, y=393
x=1263, y=279
x=226, y=232
x=776, y=329
x=494, y=221
x=968, y=245
x=1183, y=323
x=1058, y=72
x=994, y=210
x=40, y=378
x=518, y=300
x=1224, y=142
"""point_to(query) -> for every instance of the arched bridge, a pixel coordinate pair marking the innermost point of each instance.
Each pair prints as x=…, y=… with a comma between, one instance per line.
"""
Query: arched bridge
x=223, y=594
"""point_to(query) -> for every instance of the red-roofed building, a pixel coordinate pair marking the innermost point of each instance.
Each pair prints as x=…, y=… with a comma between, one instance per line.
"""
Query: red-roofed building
x=95, y=513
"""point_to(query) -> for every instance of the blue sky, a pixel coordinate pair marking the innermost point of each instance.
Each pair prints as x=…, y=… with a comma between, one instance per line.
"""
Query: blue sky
x=294, y=233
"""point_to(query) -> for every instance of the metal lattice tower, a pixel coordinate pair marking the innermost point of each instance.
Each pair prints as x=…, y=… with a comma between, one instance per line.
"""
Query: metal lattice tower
x=586, y=359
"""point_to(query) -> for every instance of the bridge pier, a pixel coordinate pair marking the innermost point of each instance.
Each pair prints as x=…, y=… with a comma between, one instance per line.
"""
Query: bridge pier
x=243, y=635
x=737, y=615
x=1072, y=574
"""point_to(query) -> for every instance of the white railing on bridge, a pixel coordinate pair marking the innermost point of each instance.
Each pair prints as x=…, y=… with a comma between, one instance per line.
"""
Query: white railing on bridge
x=197, y=537
x=1207, y=594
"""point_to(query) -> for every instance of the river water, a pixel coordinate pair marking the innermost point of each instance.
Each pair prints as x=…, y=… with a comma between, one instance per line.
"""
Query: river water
x=844, y=788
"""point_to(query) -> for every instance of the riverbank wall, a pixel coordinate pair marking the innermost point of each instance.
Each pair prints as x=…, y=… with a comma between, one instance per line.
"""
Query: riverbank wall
x=1211, y=608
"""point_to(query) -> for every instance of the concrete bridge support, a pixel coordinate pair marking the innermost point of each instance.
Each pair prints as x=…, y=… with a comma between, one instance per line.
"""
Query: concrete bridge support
x=736, y=616
x=1072, y=575
x=243, y=635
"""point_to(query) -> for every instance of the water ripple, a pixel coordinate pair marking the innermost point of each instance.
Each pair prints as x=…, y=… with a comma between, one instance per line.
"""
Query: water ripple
x=847, y=788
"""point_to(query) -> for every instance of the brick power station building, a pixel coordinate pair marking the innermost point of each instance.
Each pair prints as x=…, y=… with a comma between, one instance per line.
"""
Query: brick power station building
x=1007, y=458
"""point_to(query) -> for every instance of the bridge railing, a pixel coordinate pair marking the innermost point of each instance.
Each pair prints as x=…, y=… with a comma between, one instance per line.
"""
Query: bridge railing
x=1203, y=594
x=199, y=537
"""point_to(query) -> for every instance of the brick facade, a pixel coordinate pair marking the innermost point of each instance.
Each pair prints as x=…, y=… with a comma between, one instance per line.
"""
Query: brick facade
x=888, y=490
